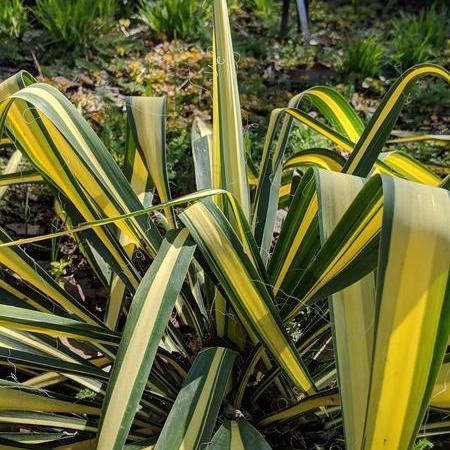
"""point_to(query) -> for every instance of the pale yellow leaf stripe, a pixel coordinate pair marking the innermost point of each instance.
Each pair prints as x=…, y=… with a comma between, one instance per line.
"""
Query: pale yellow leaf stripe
x=12, y=165
x=320, y=160
x=18, y=399
x=49, y=421
x=413, y=170
x=440, y=398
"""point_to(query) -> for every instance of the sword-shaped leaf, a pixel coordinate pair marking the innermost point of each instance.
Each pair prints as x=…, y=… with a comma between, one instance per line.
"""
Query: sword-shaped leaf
x=238, y=435
x=381, y=123
x=148, y=317
x=193, y=416
x=19, y=397
x=228, y=156
x=53, y=325
x=412, y=300
x=244, y=286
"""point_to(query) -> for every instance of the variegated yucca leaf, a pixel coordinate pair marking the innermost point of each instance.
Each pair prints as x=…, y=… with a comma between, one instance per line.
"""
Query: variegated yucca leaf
x=305, y=300
x=149, y=313
x=238, y=435
x=10, y=169
x=229, y=170
x=243, y=286
x=21, y=177
x=191, y=421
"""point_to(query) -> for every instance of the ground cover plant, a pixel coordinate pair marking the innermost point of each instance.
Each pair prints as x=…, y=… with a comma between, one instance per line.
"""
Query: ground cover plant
x=302, y=303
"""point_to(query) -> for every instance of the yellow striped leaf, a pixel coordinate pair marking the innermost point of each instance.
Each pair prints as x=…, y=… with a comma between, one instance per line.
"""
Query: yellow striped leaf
x=228, y=155
x=150, y=311
x=244, y=287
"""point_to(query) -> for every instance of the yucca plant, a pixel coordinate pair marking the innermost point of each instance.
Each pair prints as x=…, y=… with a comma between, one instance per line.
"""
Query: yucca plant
x=226, y=341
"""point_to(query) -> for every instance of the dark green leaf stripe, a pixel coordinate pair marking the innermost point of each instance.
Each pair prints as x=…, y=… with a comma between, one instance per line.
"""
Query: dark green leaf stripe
x=40, y=362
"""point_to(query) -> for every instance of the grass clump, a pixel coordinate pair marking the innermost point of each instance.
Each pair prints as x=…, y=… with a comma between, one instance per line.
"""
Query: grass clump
x=75, y=22
x=13, y=18
x=363, y=57
x=175, y=19
x=418, y=39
